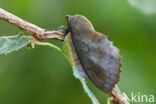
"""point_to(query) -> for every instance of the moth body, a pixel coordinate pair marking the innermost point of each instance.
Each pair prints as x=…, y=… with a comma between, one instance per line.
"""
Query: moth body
x=99, y=58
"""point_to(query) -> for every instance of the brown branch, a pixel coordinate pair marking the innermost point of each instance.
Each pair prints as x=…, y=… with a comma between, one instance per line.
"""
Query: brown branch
x=41, y=34
x=118, y=97
x=37, y=32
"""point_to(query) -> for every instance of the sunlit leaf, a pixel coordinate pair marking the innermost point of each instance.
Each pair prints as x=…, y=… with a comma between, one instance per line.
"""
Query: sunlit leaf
x=9, y=44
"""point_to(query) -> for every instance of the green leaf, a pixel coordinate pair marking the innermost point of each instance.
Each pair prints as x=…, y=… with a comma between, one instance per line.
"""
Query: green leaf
x=9, y=44
x=85, y=87
x=67, y=51
x=68, y=54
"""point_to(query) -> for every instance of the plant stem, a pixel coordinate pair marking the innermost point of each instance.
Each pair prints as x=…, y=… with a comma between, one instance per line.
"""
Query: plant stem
x=47, y=44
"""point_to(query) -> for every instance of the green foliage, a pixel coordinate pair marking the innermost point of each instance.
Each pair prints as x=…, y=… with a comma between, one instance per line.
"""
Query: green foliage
x=9, y=44
x=85, y=87
x=68, y=54
x=66, y=50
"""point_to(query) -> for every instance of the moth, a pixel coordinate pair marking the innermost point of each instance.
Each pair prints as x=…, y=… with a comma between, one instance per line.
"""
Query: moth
x=98, y=58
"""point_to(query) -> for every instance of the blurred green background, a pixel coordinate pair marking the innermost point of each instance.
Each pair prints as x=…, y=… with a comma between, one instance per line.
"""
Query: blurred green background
x=43, y=76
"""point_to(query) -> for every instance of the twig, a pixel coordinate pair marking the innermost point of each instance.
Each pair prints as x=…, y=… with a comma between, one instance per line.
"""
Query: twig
x=41, y=34
x=36, y=31
x=118, y=97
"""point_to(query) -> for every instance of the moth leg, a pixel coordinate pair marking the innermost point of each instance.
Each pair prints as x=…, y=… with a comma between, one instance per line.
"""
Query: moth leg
x=61, y=28
x=51, y=34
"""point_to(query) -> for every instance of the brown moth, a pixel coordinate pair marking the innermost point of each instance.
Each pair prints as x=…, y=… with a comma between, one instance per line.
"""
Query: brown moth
x=99, y=59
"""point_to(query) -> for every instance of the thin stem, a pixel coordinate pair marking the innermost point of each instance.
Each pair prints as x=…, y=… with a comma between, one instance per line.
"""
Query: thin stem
x=47, y=44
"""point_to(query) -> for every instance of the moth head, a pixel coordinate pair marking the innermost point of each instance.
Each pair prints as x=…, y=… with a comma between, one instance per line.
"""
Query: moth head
x=79, y=24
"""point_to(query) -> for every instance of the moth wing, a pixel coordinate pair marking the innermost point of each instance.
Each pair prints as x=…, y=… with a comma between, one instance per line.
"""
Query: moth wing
x=76, y=60
x=99, y=58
